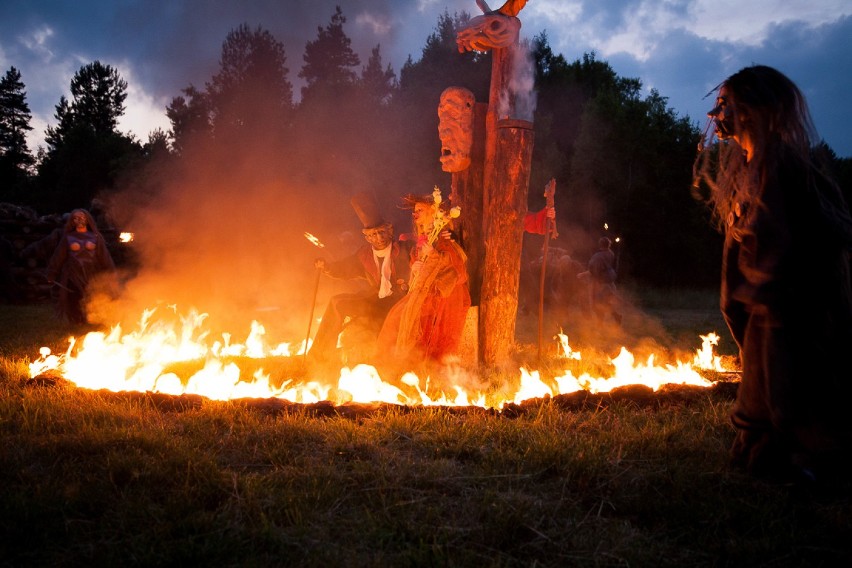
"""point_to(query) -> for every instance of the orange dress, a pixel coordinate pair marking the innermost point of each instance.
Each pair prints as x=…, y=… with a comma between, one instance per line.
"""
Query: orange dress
x=428, y=321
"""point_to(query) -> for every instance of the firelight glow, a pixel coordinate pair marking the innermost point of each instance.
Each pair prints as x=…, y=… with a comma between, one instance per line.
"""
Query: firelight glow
x=315, y=241
x=141, y=360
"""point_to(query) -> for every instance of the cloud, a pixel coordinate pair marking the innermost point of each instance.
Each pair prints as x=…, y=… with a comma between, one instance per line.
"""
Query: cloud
x=380, y=24
x=681, y=47
x=145, y=112
x=37, y=42
x=751, y=23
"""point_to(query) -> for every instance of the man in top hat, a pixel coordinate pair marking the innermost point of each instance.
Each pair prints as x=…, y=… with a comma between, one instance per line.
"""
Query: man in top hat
x=379, y=263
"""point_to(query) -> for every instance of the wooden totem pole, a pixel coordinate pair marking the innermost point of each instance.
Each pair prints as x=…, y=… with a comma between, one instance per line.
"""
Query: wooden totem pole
x=492, y=189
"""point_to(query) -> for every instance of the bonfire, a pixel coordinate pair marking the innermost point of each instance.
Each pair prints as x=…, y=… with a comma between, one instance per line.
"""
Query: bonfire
x=153, y=357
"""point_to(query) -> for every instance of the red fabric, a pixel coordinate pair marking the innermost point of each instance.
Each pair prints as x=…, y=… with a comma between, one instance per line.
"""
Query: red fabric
x=536, y=222
x=443, y=313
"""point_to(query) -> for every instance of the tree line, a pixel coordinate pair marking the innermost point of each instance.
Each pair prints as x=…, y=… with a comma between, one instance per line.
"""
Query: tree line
x=621, y=160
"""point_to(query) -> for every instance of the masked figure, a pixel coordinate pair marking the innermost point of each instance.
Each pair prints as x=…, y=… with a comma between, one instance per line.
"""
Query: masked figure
x=380, y=264
x=80, y=255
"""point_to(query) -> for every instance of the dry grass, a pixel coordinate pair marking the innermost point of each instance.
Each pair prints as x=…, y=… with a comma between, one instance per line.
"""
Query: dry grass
x=95, y=478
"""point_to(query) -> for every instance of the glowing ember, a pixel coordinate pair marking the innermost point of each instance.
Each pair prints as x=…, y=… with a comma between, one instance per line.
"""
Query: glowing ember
x=314, y=240
x=150, y=358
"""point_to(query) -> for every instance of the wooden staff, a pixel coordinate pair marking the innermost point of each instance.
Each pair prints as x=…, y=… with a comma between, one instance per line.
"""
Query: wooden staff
x=313, y=305
x=550, y=230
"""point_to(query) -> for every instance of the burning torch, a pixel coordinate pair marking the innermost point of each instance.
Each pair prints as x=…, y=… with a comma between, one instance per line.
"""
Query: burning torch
x=316, y=242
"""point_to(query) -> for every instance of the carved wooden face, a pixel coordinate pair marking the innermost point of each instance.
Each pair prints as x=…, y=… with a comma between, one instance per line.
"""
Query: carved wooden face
x=455, y=128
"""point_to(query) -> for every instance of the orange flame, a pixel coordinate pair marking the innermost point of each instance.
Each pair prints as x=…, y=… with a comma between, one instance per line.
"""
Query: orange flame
x=315, y=241
x=143, y=360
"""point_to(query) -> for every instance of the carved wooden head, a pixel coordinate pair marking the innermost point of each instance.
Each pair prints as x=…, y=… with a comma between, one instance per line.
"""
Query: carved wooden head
x=455, y=128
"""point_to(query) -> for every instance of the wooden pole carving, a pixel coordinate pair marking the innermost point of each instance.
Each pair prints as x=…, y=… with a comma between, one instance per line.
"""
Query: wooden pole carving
x=506, y=161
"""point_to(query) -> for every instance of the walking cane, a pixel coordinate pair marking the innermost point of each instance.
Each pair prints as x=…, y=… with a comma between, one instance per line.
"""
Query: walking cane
x=550, y=230
x=313, y=305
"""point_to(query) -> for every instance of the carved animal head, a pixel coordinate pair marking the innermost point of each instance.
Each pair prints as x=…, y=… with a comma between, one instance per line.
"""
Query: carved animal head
x=488, y=32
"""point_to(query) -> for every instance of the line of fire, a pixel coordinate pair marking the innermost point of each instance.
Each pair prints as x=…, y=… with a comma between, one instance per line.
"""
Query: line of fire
x=487, y=151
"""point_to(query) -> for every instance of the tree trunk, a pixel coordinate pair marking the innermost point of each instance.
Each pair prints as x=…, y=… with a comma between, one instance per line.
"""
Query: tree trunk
x=468, y=193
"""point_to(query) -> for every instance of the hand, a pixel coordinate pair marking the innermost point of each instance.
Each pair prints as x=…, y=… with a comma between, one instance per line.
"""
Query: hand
x=415, y=268
x=551, y=212
x=426, y=250
x=446, y=234
x=319, y=264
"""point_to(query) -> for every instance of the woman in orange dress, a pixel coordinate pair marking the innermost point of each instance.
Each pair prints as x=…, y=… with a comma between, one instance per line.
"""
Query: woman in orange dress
x=427, y=323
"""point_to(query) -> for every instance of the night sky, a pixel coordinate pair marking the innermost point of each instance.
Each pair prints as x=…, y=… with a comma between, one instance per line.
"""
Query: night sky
x=683, y=48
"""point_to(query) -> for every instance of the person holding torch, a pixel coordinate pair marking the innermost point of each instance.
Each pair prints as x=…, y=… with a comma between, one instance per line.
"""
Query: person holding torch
x=381, y=263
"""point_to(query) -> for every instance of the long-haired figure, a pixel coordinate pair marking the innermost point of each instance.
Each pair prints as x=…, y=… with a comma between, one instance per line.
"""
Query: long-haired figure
x=785, y=291
x=427, y=324
x=80, y=255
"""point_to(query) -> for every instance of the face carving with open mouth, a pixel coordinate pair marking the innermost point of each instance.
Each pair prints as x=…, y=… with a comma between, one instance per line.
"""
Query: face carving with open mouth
x=455, y=128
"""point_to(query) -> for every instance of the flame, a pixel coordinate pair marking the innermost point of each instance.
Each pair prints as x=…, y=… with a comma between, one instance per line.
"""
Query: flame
x=315, y=241
x=705, y=358
x=126, y=237
x=145, y=360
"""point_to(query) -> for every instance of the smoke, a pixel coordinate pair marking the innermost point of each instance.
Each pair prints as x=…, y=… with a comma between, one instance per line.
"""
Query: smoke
x=223, y=233
x=519, y=99
x=221, y=230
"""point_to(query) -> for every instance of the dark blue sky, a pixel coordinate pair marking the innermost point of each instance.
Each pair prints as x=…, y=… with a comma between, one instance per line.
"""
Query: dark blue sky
x=683, y=48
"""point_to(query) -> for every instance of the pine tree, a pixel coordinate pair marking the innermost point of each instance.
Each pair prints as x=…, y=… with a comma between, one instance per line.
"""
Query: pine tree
x=98, y=93
x=251, y=92
x=377, y=84
x=328, y=61
x=14, y=122
x=86, y=152
x=190, y=118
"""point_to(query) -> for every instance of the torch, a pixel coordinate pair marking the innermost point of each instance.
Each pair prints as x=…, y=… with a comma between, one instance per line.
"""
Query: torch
x=316, y=242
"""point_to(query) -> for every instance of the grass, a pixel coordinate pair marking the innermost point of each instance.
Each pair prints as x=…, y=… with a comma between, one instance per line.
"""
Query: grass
x=97, y=478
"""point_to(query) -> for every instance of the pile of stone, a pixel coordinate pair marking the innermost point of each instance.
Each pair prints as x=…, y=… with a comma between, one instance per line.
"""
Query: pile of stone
x=29, y=240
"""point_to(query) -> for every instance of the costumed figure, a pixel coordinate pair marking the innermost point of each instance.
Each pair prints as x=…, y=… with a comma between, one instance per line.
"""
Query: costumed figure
x=379, y=263
x=427, y=324
x=602, y=275
x=80, y=255
x=785, y=290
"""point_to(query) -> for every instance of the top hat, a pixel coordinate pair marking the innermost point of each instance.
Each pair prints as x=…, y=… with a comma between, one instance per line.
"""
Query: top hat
x=365, y=206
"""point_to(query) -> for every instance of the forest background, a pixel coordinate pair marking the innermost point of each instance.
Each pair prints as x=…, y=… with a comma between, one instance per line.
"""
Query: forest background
x=246, y=169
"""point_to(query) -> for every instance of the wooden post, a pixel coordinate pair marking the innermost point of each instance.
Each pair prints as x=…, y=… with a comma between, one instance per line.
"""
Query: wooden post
x=501, y=60
x=506, y=206
x=468, y=190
